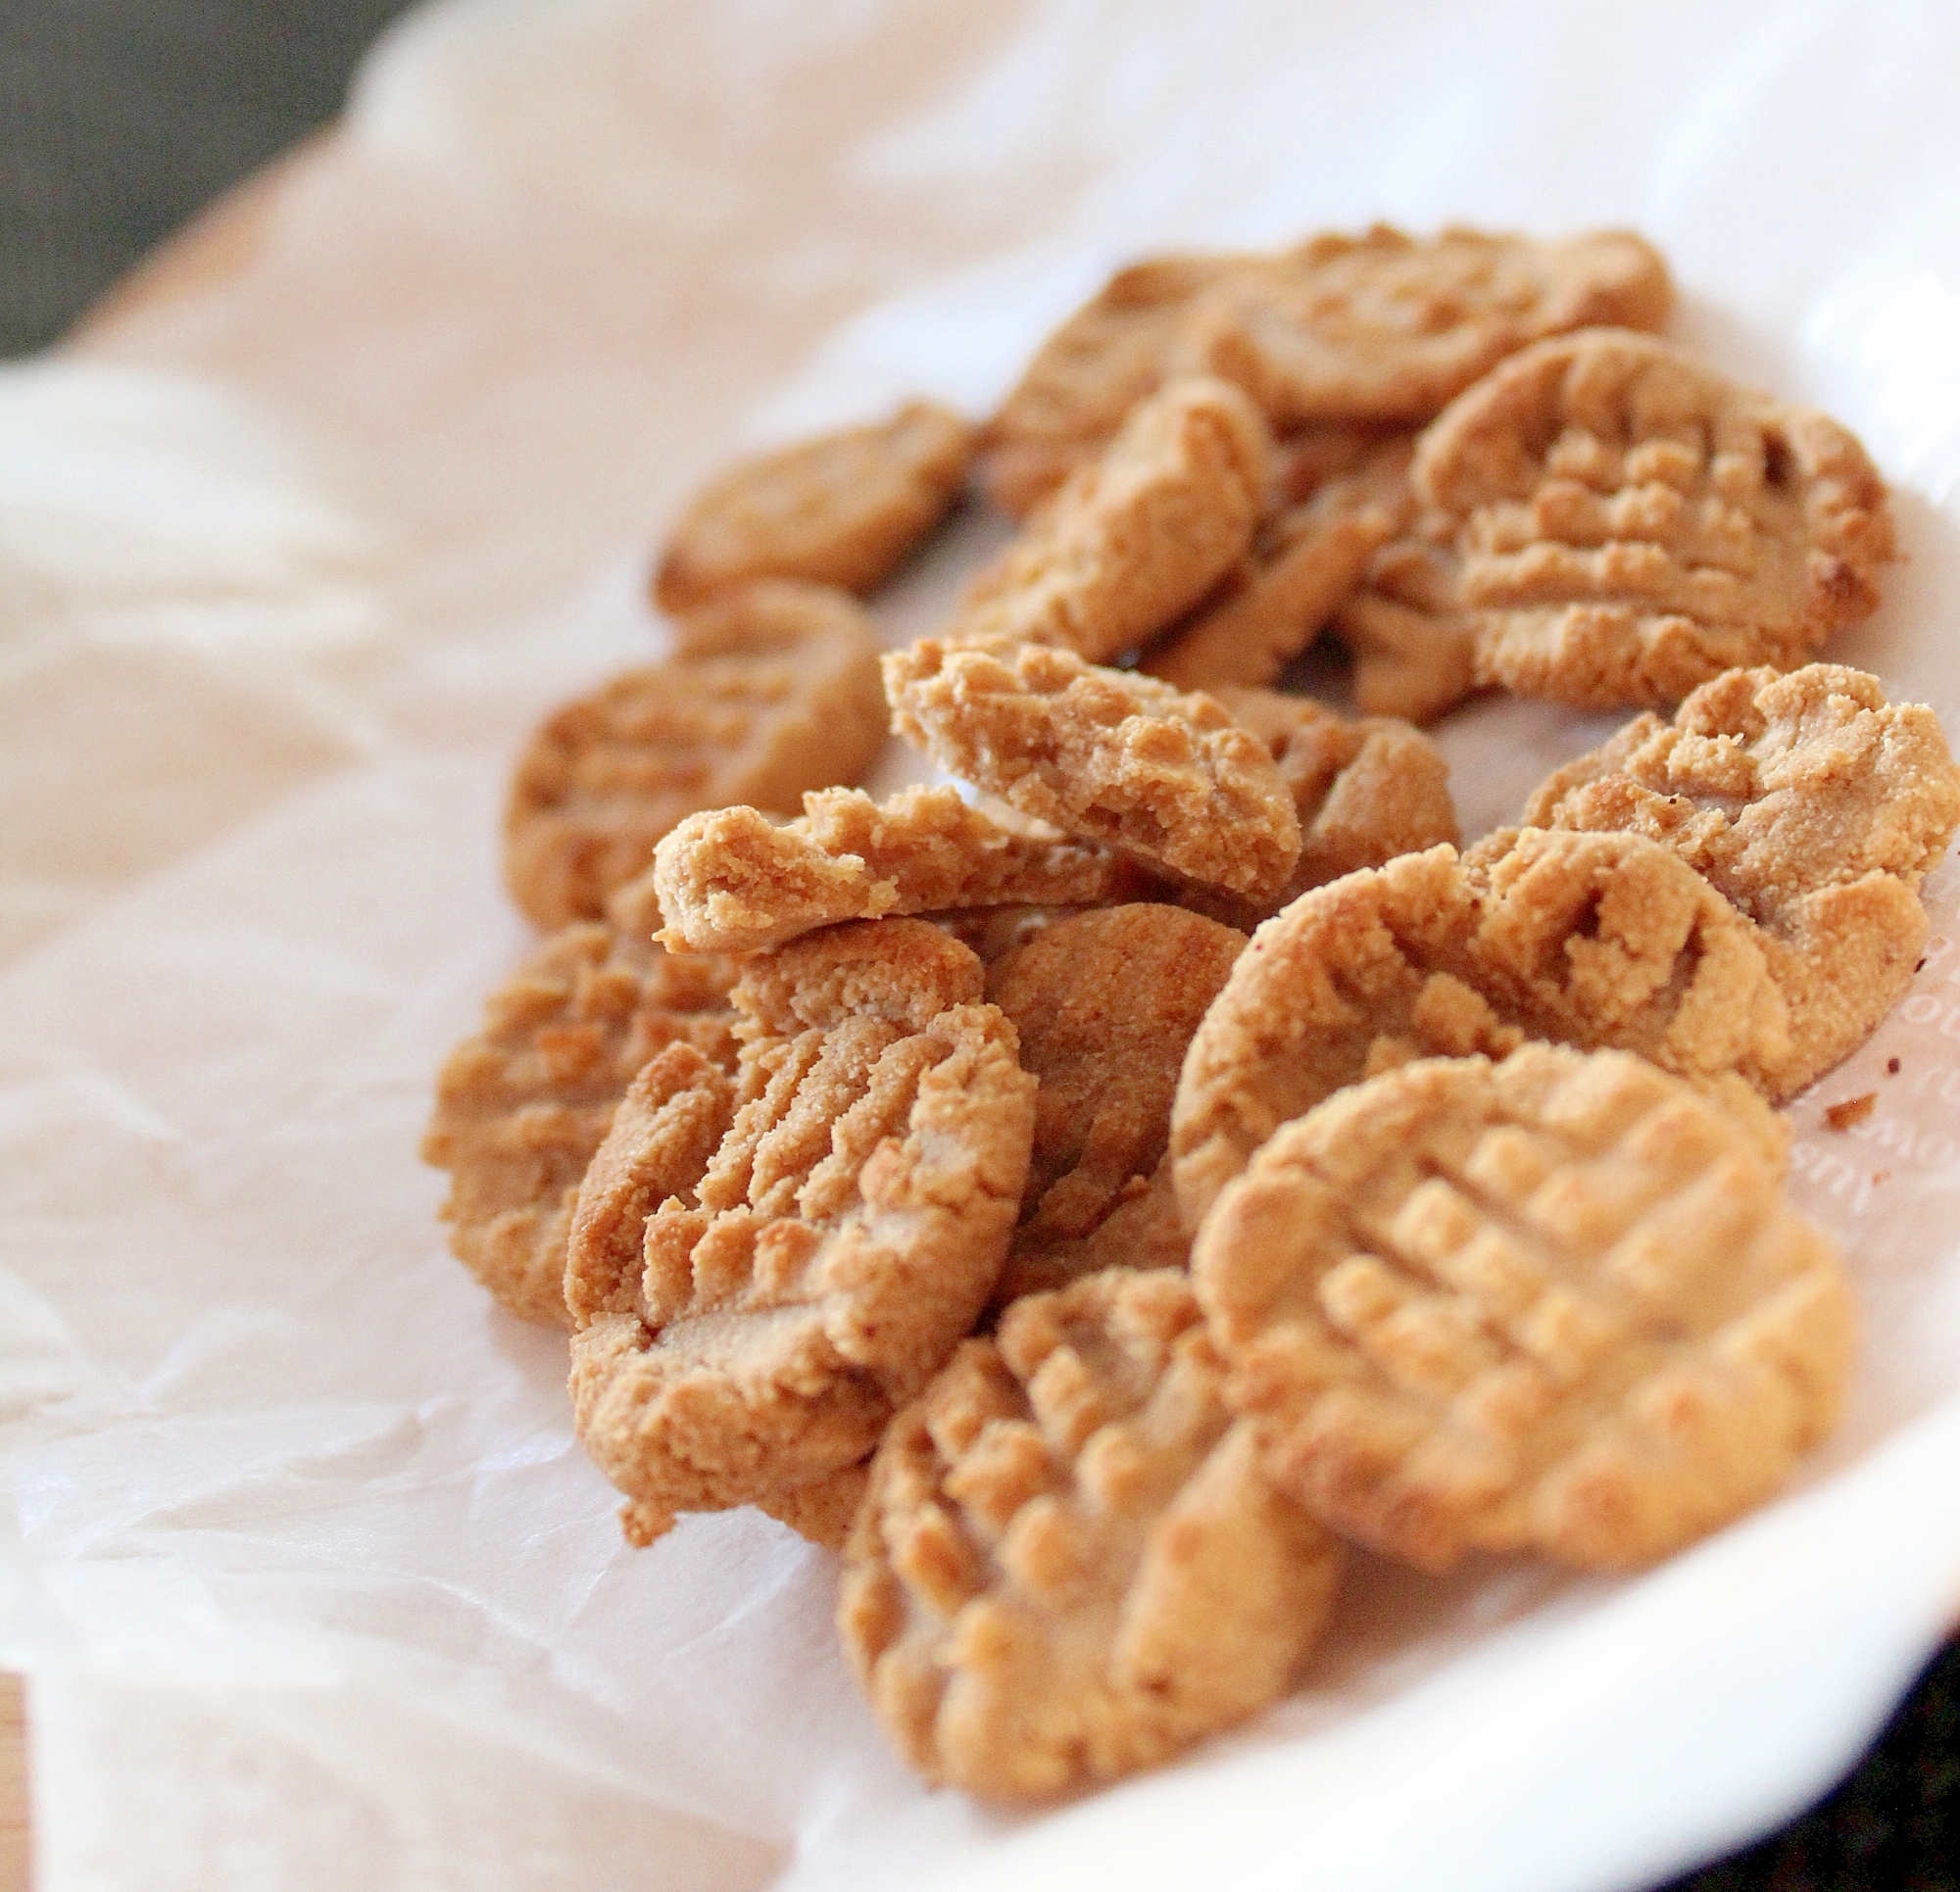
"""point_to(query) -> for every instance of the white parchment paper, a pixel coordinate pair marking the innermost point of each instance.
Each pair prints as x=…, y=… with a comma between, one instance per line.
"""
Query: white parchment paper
x=314, y=1586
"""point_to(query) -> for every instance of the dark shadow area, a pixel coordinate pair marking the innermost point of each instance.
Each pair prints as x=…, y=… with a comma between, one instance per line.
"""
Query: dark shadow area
x=1893, y=1825
x=120, y=118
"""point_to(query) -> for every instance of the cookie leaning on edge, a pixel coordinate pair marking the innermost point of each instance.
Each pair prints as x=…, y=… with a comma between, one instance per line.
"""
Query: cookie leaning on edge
x=732, y=881
x=763, y=1269
x=1555, y=1302
x=1068, y=1565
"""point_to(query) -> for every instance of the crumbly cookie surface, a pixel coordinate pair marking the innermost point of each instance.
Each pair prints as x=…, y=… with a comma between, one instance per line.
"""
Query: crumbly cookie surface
x=1304, y=562
x=763, y=1269
x=1377, y=329
x=1138, y=536
x=772, y=690
x=1588, y=940
x=1556, y=1302
x=841, y=509
x=1104, y=1005
x=1386, y=327
x=1813, y=805
x=522, y=1105
x=1103, y=755
x=1365, y=788
x=1629, y=523
x=730, y=880
x=1069, y=1565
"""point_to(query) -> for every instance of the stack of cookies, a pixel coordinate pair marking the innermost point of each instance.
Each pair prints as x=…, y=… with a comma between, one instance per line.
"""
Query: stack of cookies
x=1096, y=1189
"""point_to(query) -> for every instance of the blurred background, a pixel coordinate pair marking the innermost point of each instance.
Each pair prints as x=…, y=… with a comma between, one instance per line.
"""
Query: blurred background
x=118, y=118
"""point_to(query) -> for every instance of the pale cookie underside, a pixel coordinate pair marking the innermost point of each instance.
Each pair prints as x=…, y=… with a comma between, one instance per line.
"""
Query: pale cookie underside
x=1556, y=1302
x=773, y=691
x=522, y=1105
x=1593, y=940
x=842, y=510
x=1069, y=1566
x=732, y=881
x=1103, y=754
x=1628, y=523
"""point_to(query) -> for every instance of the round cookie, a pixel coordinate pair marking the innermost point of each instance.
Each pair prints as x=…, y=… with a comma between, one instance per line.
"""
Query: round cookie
x=763, y=1269
x=1628, y=523
x=771, y=690
x=1813, y=806
x=1591, y=939
x=842, y=510
x=522, y=1105
x=1069, y=1566
x=1556, y=1302
x=1104, y=1003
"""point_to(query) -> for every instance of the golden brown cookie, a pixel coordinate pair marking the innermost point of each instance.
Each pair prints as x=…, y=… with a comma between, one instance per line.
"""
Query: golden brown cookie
x=1305, y=560
x=1115, y=351
x=1136, y=537
x=732, y=881
x=1589, y=939
x=1069, y=1565
x=821, y=1510
x=1386, y=327
x=1814, y=807
x=1104, y=1005
x=1103, y=755
x=521, y=1106
x=764, y=1269
x=842, y=510
x=1365, y=791
x=1382, y=328
x=1555, y=1302
x=1629, y=523
x=1414, y=652
x=772, y=690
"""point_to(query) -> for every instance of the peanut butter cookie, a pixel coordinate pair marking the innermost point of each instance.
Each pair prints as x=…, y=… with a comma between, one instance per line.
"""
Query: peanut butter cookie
x=521, y=1106
x=1555, y=1302
x=1103, y=755
x=1069, y=1565
x=1589, y=939
x=1413, y=651
x=732, y=881
x=1629, y=523
x=842, y=510
x=1304, y=562
x=763, y=1269
x=1365, y=790
x=1104, y=1003
x=1138, y=536
x=1812, y=806
x=772, y=690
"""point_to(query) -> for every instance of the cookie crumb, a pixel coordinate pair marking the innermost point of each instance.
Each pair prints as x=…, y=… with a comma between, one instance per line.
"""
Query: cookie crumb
x=1891, y=1067
x=1853, y=1111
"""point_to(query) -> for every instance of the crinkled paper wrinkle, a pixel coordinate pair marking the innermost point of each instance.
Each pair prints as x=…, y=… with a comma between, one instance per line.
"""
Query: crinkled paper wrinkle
x=295, y=550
